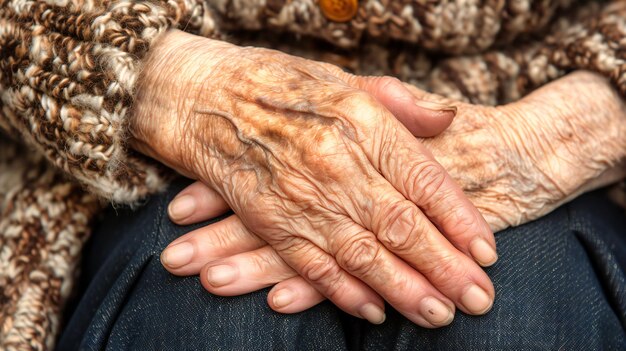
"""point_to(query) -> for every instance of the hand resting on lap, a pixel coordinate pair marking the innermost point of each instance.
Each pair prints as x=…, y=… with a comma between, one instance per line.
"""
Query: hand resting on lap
x=515, y=162
x=313, y=162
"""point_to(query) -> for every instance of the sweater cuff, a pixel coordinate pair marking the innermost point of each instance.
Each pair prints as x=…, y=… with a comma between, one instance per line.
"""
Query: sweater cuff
x=68, y=83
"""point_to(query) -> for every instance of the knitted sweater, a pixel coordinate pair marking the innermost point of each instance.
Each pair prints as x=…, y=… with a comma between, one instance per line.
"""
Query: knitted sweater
x=68, y=70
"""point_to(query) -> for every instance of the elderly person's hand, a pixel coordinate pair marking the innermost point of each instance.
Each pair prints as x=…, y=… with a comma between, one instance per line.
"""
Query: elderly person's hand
x=322, y=171
x=516, y=163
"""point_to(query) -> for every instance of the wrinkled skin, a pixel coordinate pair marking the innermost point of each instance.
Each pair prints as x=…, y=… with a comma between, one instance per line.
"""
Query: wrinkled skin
x=320, y=170
x=518, y=162
x=515, y=162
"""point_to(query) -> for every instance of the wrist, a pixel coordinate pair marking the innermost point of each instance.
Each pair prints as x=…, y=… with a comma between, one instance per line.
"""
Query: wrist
x=174, y=73
x=159, y=89
x=571, y=130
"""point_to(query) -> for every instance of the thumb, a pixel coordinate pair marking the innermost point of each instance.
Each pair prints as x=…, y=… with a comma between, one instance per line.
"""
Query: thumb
x=421, y=117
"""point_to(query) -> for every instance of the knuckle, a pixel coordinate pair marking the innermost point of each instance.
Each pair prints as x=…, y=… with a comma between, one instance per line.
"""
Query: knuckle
x=427, y=178
x=320, y=269
x=464, y=222
x=366, y=109
x=361, y=96
x=359, y=255
x=402, y=228
x=386, y=82
x=325, y=148
x=446, y=272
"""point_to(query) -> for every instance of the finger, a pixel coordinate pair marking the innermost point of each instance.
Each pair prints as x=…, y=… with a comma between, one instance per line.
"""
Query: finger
x=196, y=203
x=421, y=117
x=293, y=295
x=405, y=231
x=321, y=270
x=358, y=254
x=427, y=184
x=189, y=253
x=412, y=170
x=245, y=272
x=464, y=241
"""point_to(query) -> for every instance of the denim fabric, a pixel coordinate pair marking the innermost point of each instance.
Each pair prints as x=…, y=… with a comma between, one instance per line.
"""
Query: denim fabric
x=560, y=285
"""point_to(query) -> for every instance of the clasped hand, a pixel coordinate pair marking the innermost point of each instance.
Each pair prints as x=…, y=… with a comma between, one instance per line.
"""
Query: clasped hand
x=317, y=163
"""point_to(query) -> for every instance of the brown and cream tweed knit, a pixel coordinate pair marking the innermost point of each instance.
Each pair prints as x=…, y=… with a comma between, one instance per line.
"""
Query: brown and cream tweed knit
x=68, y=70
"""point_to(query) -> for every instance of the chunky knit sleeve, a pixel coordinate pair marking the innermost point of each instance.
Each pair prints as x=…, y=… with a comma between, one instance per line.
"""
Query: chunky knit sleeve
x=592, y=37
x=453, y=27
x=68, y=70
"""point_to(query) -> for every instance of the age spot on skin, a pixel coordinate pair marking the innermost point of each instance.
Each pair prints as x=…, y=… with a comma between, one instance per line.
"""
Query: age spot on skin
x=293, y=85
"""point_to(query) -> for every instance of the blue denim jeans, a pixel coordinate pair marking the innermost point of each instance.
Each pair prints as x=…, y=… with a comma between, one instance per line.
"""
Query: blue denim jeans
x=560, y=285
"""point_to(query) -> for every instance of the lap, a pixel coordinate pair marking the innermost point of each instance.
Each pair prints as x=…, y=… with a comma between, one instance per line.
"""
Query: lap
x=559, y=285
x=559, y=282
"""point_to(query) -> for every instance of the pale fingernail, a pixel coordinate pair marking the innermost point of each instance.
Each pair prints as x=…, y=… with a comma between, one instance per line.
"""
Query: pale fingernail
x=283, y=297
x=177, y=255
x=476, y=300
x=436, y=312
x=433, y=106
x=182, y=207
x=482, y=252
x=373, y=313
x=221, y=275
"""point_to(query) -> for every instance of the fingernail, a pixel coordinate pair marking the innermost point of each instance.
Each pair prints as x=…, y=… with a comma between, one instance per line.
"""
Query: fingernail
x=476, y=300
x=433, y=106
x=373, y=313
x=283, y=297
x=177, y=255
x=436, y=312
x=182, y=207
x=221, y=275
x=482, y=252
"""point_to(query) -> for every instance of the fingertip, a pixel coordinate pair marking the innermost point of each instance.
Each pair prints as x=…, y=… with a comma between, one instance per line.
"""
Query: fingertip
x=477, y=301
x=430, y=119
x=281, y=298
x=196, y=203
x=436, y=312
x=218, y=278
x=177, y=255
x=483, y=252
x=293, y=295
x=421, y=117
x=182, y=207
x=373, y=313
x=483, y=248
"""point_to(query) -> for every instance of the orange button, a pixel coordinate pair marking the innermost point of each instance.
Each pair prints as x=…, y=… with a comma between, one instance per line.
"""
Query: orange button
x=339, y=10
